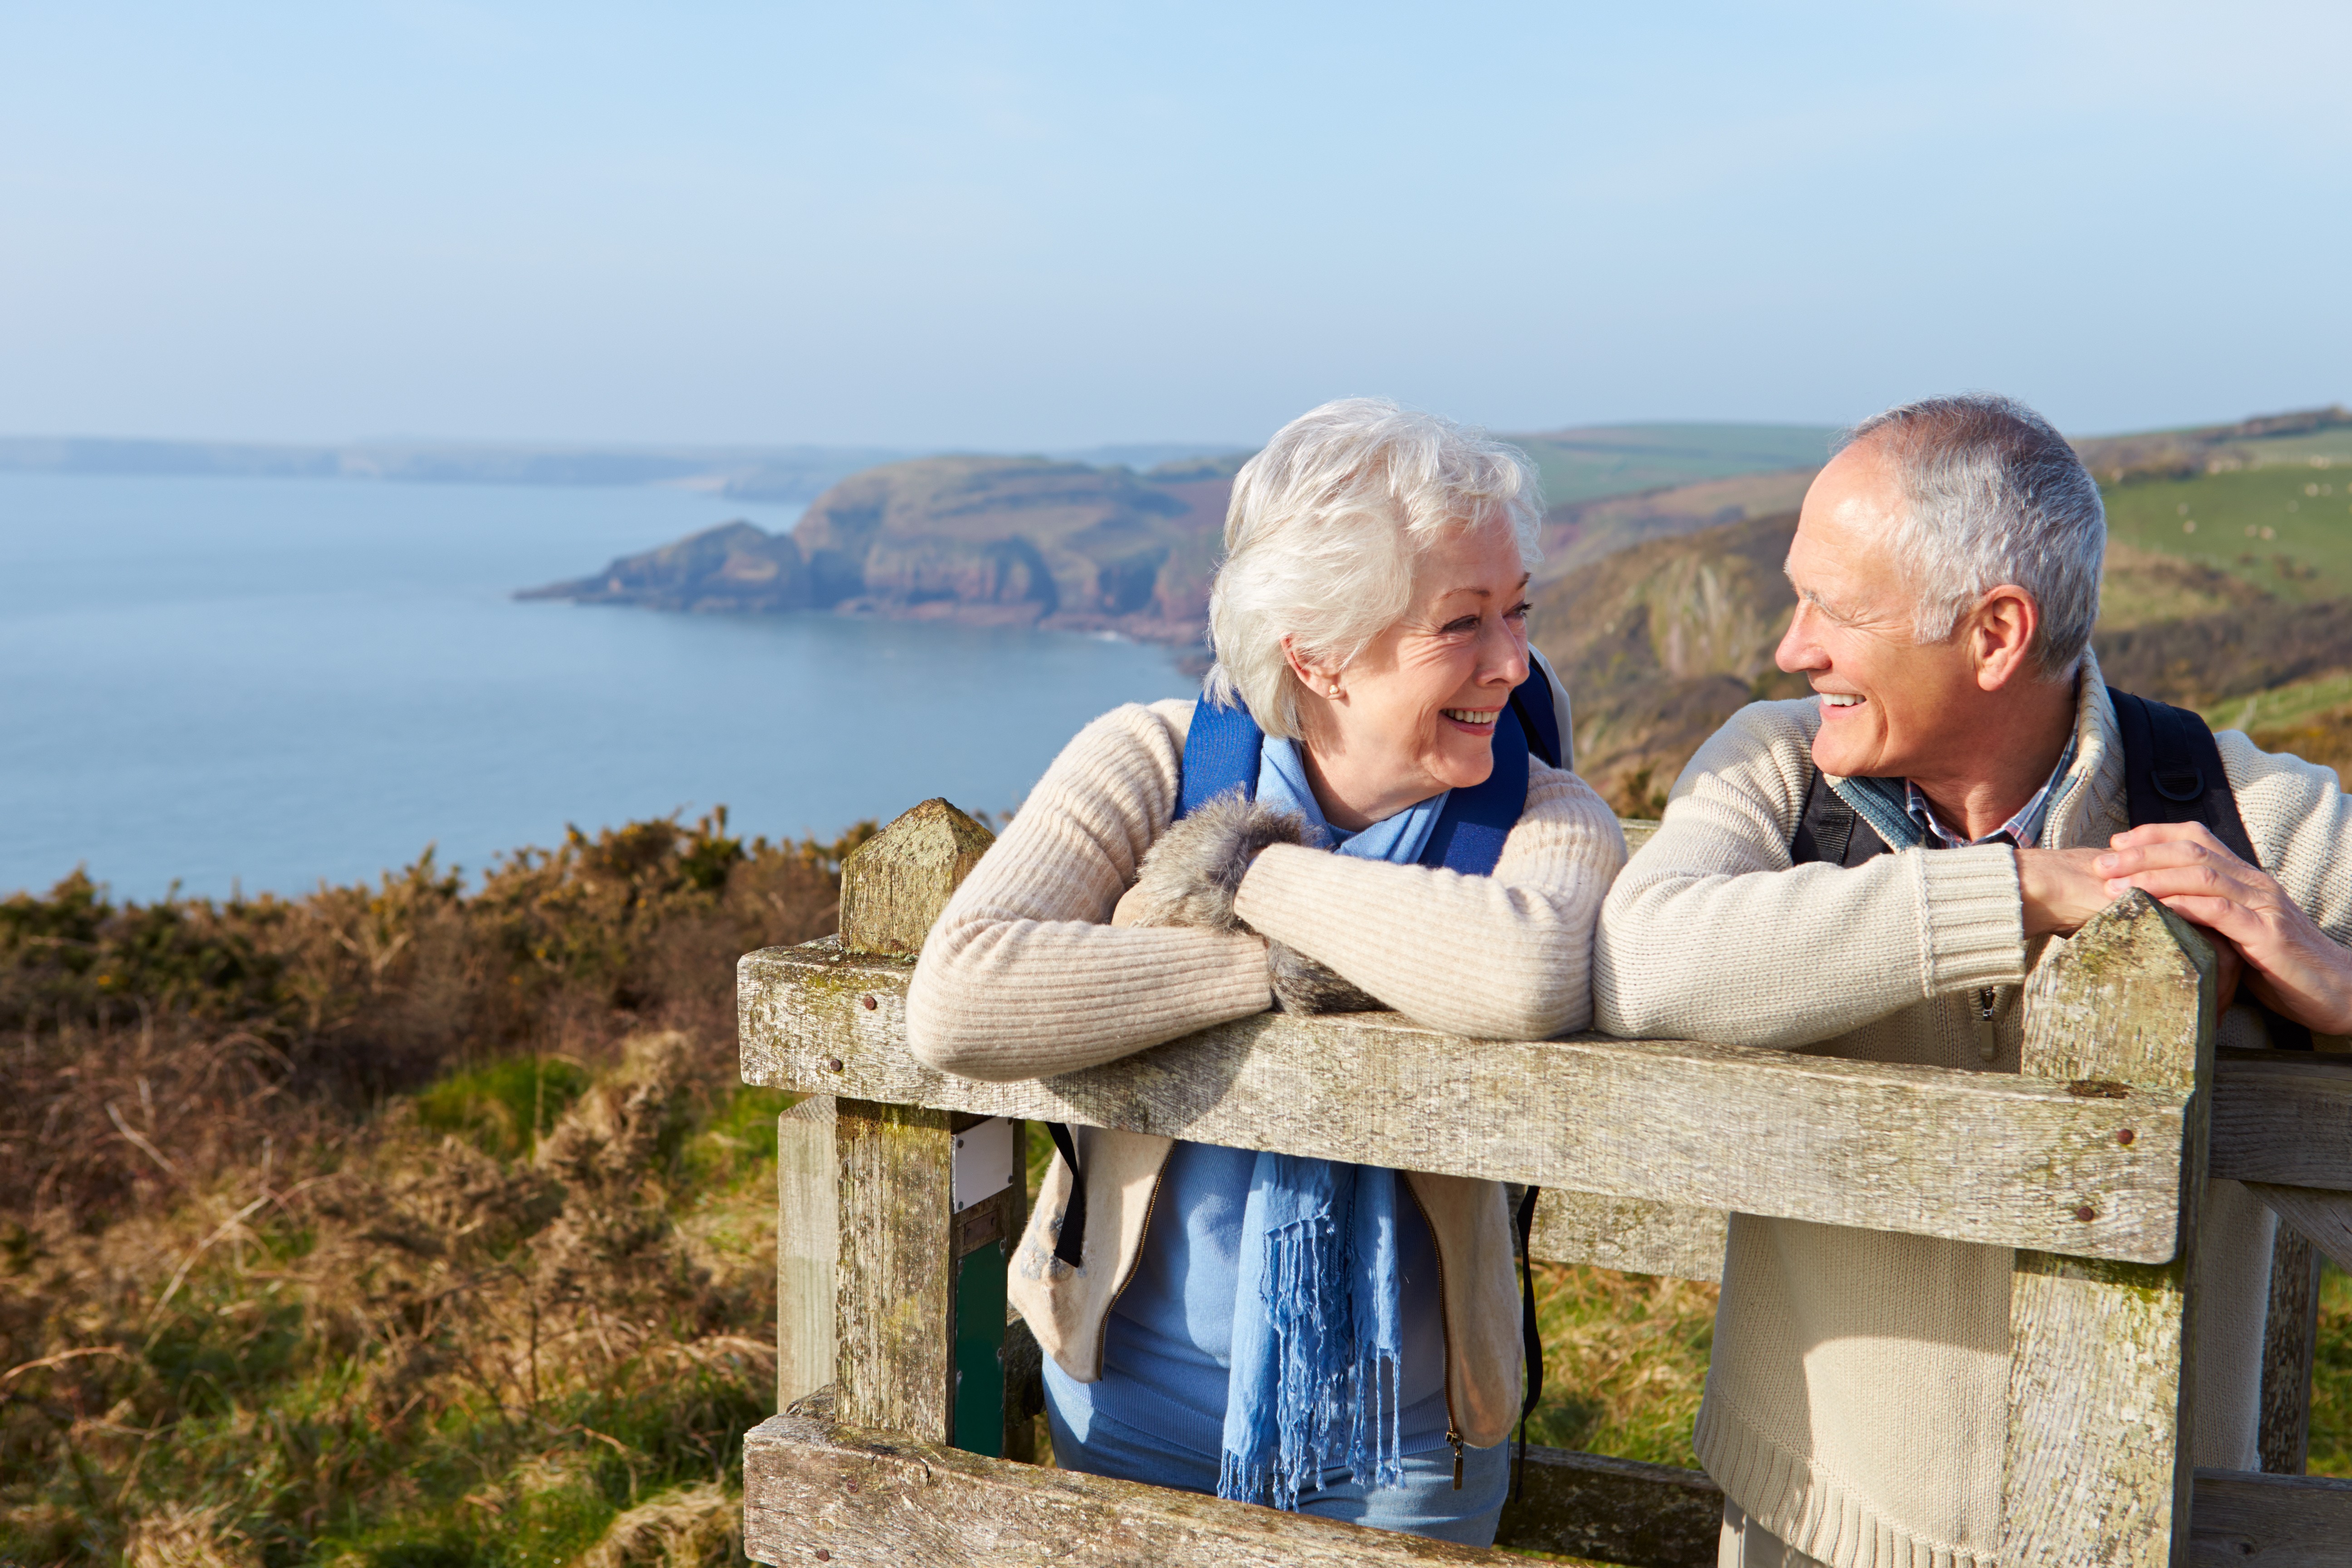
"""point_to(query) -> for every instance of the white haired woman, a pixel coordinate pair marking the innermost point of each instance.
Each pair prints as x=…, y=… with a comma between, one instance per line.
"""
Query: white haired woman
x=1351, y=812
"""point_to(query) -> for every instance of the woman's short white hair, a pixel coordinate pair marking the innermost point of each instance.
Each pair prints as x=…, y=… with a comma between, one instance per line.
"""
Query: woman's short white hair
x=1993, y=494
x=1327, y=528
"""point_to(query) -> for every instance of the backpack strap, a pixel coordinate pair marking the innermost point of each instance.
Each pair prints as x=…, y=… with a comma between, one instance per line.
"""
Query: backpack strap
x=1531, y=1334
x=2173, y=772
x=1070, y=1245
x=1224, y=746
x=1473, y=823
x=1220, y=754
x=1223, y=751
x=1534, y=701
x=1831, y=833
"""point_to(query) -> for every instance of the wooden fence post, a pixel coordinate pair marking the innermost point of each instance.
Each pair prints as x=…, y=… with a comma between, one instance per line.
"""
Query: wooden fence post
x=2290, y=1342
x=897, y=1338
x=2098, y=1464
x=808, y=1247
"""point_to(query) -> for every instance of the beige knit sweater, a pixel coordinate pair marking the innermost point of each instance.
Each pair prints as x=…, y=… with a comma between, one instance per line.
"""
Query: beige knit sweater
x=1856, y=1405
x=1024, y=977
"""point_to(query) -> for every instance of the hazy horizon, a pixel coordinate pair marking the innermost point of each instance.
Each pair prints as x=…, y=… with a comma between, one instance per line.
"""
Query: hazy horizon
x=1007, y=227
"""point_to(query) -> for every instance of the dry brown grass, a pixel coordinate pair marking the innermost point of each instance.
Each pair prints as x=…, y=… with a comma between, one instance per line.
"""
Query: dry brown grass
x=392, y=1226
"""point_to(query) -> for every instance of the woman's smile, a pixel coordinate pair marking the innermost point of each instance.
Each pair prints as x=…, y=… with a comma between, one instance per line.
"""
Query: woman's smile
x=1471, y=721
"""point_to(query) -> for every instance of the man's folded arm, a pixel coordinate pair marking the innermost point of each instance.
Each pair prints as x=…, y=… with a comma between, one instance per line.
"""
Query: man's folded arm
x=1711, y=934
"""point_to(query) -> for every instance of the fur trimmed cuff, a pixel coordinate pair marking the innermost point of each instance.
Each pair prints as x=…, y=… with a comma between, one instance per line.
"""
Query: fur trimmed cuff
x=1303, y=985
x=1190, y=876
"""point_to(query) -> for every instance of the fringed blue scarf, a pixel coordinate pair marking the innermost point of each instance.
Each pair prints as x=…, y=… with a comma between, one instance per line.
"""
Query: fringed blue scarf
x=1319, y=1304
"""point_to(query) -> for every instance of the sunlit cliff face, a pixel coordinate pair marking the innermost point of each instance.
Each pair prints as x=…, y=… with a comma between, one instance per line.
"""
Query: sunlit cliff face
x=1418, y=707
x=1886, y=698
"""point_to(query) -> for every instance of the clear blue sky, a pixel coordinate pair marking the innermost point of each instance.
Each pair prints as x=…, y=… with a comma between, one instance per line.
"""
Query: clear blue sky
x=1011, y=225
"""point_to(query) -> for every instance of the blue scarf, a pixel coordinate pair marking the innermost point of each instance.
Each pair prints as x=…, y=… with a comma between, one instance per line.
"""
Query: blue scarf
x=1317, y=1307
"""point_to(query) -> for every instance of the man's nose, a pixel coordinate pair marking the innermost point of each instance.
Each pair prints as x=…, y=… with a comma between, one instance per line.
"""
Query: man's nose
x=1799, y=650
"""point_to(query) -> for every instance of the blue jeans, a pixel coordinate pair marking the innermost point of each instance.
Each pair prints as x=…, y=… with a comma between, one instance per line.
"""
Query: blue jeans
x=1426, y=1505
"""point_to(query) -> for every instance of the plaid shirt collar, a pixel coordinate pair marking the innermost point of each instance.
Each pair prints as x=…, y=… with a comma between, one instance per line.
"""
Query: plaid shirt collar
x=2022, y=831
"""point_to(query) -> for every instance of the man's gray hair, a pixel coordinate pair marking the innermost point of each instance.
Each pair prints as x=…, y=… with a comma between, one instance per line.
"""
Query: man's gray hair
x=1992, y=494
x=1325, y=532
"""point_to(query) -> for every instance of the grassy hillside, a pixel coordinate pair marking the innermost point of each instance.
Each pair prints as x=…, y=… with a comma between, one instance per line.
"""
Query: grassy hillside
x=1579, y=533
x=2285, y=526
x=2215, y=449
x=1587, y=463
x=393, y=1227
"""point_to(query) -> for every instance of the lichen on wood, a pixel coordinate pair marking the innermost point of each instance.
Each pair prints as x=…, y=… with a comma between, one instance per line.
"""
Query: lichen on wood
x=1635, y=1235
x=893, y=885
x=894, y=1287
x=2102, y=1362
x=1972, y=1156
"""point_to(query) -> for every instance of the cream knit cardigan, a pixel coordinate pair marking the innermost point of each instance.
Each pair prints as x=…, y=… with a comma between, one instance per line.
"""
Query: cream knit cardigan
x=1856, y=1403
x=1024, y=977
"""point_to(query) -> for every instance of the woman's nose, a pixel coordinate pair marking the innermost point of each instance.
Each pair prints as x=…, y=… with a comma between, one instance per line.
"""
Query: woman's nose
x=1509, y=662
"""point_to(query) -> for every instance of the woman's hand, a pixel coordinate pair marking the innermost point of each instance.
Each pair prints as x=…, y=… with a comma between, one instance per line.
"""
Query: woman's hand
x=2296, y=968
x=1190, y=876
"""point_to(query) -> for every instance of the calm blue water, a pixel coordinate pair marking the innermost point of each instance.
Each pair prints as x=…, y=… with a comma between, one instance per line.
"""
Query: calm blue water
x=268, y=682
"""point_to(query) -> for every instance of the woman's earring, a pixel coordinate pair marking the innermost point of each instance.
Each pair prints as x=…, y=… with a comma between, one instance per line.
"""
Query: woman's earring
x=1335, y=688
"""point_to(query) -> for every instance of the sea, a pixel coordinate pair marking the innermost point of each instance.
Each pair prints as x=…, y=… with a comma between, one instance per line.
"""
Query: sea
x=226, y=685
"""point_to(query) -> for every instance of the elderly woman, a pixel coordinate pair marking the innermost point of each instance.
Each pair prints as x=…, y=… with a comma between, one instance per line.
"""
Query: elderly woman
x=1349, y=818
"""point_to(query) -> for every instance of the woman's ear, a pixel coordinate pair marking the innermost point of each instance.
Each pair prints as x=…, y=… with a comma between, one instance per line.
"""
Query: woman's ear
x=1312, y=676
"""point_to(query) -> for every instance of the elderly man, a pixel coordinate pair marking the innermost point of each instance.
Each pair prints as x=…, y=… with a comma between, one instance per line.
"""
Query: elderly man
x=1871, y=873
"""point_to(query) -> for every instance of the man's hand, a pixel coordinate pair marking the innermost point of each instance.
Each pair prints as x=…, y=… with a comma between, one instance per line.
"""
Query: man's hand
x=2295, y=968
x=2062, y=889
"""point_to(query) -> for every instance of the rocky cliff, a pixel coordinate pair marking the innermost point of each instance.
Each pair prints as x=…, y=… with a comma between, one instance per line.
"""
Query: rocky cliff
x=1000, y=539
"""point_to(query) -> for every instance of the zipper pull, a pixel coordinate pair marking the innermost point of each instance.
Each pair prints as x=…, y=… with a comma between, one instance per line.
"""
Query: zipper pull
x=1454, y=1438
x=1988, y=1037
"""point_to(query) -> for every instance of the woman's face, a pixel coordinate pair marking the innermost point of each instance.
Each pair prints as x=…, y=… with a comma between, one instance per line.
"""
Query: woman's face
x=1417, y=710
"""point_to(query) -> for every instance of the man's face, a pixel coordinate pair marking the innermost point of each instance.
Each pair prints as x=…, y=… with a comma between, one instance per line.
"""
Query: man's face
x=1884, y=696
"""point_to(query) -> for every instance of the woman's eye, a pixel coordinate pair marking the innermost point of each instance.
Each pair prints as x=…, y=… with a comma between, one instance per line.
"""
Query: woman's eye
x=1466, y=623
x=1517, y=612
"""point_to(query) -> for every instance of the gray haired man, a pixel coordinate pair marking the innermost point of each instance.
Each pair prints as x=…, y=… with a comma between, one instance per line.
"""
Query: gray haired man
x=1946, y=565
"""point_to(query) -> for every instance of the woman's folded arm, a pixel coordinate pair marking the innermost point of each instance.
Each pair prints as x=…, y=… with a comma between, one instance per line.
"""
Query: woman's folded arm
x=1507, y=956
x=1021, y=979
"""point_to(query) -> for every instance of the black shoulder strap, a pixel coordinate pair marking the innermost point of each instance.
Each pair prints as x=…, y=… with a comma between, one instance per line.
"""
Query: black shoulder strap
x=1070, y=1245
x=1829, y=832
x=2172, y=772
x=1531, y=1334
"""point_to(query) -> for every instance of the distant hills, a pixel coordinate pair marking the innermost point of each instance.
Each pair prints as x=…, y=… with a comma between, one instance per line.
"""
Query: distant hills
x=1661, y=596
x=1079, y=546
x=2267, y=439
x=1589, y=462
x=784, y=474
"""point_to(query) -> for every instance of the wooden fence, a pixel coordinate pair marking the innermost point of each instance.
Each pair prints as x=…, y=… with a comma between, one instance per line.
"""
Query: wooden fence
x=908, y=1398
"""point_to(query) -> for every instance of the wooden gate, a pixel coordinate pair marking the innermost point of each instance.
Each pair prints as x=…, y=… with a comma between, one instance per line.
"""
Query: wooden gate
x=906, y=1395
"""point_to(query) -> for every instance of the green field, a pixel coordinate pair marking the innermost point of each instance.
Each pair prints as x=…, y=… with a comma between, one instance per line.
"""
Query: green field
x=1621, y=459
x=2285, y=527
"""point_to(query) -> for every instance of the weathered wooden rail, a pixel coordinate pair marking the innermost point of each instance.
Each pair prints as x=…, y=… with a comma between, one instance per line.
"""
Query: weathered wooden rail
x=908, y=1396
